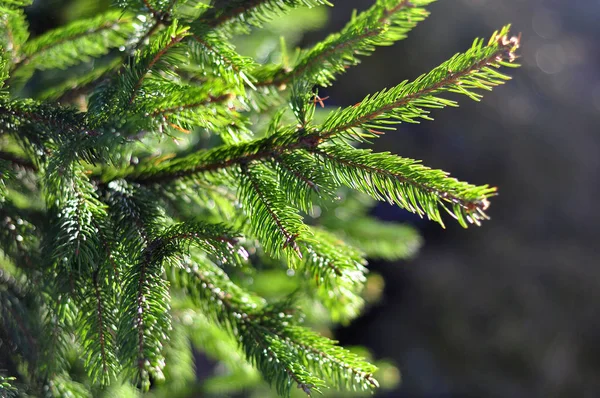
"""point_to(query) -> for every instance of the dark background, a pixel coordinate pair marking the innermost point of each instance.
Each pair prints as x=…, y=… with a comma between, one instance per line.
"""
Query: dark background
x=510, y=309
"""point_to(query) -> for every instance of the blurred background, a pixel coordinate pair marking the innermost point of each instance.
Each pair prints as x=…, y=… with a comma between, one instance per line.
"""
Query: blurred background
x=510, y=309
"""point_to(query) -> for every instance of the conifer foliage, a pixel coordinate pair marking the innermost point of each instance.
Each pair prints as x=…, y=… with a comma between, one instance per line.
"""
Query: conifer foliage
x=146, y=192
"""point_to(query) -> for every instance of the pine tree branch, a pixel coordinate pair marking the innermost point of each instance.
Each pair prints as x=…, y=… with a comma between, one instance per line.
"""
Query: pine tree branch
x=151, y=307
x=292, y=375
x=178, y=108
x=112, y=24
x=211, y=50
x=405, y=102
x=284, y=77
x=265, y=202
x=96, y=297
x=249, y=12
x=269, y=335
x=15, y=28
x=358, y=373
x=377, y=26
x=48, y=122
x=335, y=274
x=174, y=40
x=113, y=249
x=376, y=109
x=289, y=168
x=407, y=183
x=106, y=244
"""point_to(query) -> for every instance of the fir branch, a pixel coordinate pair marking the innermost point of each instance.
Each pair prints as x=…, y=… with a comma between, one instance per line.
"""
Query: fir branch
x=184, y=108
x=13, y=31
x=240, y=313
x=76, y=42
x=407, y=183
x=40, y=127
x=213, y=160
x=118, y=97
x=236, y=15
x=276, y=224
x=151, y=309
x=150, y=60
x=335, y=274
x=136, y=215
x=348, y=371
x=215, y=239
x=75, y=212
x=146, y=303
x=173, y=109
x=269, y=334
x=114, y=248
x=403, y=103
x=407, y=102
x=302, y=180
x=96, y=326
x=381, y=25
x=213, y=53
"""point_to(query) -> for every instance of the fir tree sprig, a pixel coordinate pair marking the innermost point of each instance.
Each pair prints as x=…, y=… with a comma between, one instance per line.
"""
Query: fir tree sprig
x=14, y=30
x=406, y=102
x=336, y=273
x=75, y=43
x=269, y=333
x=407, y=183
x=96, y=325
x=279, y=225
x=238, y=15
x=381, y=25
x=463, y=74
